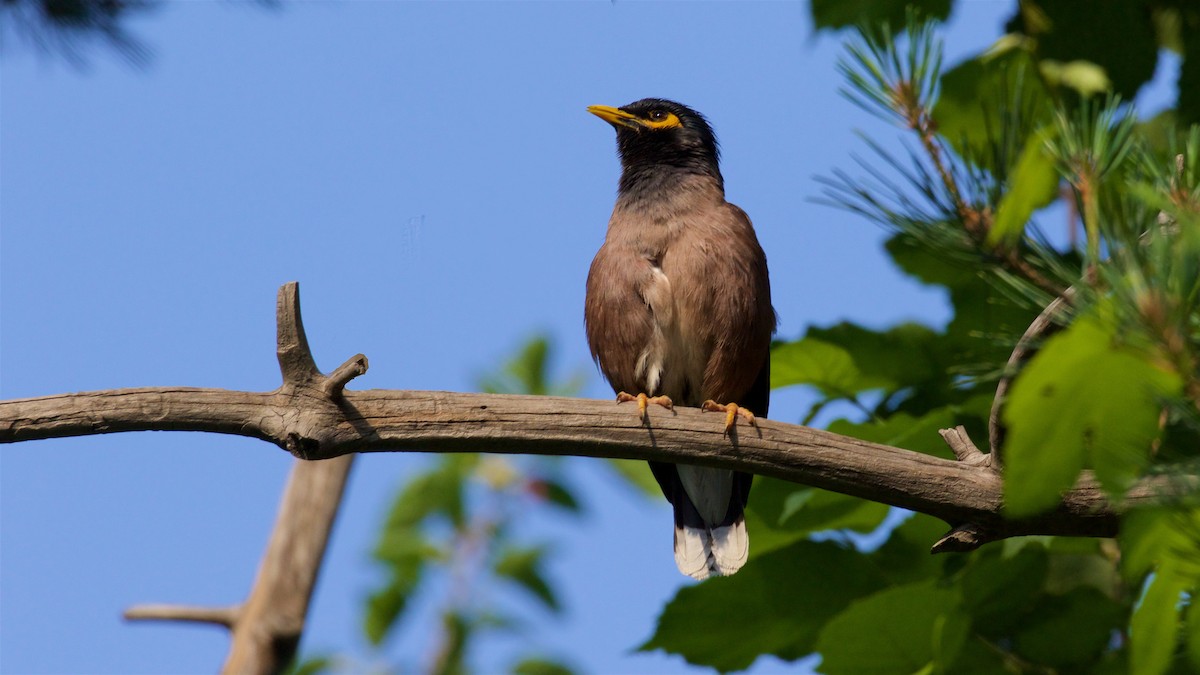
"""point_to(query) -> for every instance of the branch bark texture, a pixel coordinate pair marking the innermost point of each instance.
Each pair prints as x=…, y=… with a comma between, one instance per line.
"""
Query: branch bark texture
x=313, y=426
x=304, y=417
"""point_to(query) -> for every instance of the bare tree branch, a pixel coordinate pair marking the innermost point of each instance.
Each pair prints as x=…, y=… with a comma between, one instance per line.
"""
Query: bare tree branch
x=271, y=622
x=302, y=418
x=221, y=616
x=1040, y=328
x=268, y=626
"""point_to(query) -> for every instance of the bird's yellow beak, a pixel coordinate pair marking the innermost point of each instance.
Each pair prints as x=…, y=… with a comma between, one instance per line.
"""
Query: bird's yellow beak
x=616, y=116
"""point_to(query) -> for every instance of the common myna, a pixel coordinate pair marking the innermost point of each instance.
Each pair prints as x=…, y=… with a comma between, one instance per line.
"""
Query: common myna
x=679, y=310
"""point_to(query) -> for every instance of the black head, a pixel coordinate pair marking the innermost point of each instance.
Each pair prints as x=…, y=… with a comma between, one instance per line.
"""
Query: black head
x=655, y=133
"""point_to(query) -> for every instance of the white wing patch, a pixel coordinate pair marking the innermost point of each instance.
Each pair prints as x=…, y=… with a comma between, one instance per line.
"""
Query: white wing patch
x=650, y=363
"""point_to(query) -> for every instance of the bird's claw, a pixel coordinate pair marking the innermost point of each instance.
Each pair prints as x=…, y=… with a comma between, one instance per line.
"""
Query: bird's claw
x=643, y=400
x=731, y=410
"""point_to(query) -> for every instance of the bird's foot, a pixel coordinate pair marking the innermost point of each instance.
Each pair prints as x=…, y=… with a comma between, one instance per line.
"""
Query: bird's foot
x=644, y=400
x=731, y=410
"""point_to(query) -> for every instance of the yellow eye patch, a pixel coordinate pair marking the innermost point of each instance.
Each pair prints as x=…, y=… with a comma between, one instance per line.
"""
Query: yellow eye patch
x=662, y=120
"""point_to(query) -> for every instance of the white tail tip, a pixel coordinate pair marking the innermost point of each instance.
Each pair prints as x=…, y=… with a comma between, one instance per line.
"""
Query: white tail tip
x=721, y=551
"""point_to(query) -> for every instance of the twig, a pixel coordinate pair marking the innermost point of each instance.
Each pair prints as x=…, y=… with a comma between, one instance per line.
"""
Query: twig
x=966, y=536
x=221, y=616
x=963, y=448
x=336, y=382
x=1044, y=323
x=963, y=538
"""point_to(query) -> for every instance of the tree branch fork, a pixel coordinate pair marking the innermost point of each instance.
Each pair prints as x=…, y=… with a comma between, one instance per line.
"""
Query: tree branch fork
x=314, y=417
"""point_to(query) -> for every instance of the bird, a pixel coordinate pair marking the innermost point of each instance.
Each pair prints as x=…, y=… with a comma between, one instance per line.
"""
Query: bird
x=678, y=311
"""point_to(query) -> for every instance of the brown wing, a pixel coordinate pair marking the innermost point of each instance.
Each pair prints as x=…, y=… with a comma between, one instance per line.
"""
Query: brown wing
x=726, y=307
x=744, y=322
x=619, y=323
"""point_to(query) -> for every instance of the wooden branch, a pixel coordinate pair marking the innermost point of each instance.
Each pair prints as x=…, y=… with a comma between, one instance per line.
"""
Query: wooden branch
x=966, y=536
x=961, y=538
x=268, y=626
x=385, y=420
x=963, y=448
x=1042, y=326
x=221, y=616
x=302, y=418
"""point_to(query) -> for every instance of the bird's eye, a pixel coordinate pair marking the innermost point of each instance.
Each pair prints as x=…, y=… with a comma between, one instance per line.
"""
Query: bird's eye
x=657, y=115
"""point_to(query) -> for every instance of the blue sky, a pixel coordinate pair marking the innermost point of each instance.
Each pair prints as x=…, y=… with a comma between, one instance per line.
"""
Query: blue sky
x=430, y=176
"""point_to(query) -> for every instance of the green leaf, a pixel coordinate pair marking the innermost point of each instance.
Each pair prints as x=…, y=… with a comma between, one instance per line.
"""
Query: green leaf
x=919, y=261
x=438, y=491
x=402, y=543
x=905, y=557
x=405, y=547
x=780, y=513
x=976, y=93
x=1080, y=398
x=383, y=609
x=406, y=552
x=1159, y=131
x=1085, y=77
x=986, y=324
x=528, y=372
x=835, y=14
x=980, y=658
x=524, y=567
x=1161, y=540
x=457, y=632
x=1155, y=623
x=901, y=356
x=980, y=310
x=1069, y=630
x=540, y=666
x=825, y=366
x=817, y=510
x=557, y=494
x=902, y=430
x=775, y=605
x=1079, y=562
x=1072, y=30
x=1032, y=184
x=907, y=629
x=313, y=665
x=1191, y=636
x=998, y=589
x=1147, y=536
x=524, y=373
